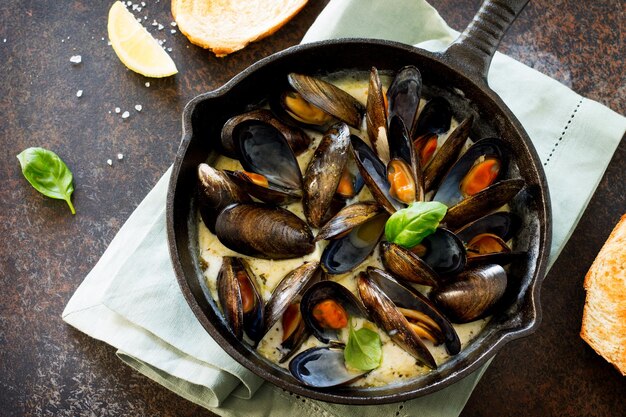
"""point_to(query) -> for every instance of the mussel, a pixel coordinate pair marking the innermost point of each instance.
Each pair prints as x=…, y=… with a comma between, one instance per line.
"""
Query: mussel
x=435, y=117
x=422, y=315
x=344, y=254
x=471, y=294
x=324, y=173
x=376, y=117
x=263, y=150
x=406, y=265
x=239, y=299
x=323, y=367
x=295, y=137
x=486, y=239
x=386, y=315
x=445, y=156
x=481, y=166
x=259, y=187
x=216, y=190
x=348, y=218
x=263, y=231
x=403, y=96
x=284, y=305
x=324, y=96
x=326, y=309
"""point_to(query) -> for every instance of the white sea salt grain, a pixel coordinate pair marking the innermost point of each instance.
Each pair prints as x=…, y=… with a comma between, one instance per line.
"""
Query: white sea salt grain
x=117, y=110
x=138, y=107
x=169, y=49
x=173, y=31
x=143, y=4
x=154, y=23
x=129, y=3
x=76, y=59
x=125, y=115
x=120, y=156
x=147, y=84
x=79, y=93
x=110, y=162
x=173, y=23
x=160, y=27
x=109, y=43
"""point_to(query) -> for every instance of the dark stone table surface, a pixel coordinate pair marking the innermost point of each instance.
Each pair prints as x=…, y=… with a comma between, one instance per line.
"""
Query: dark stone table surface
x=49, y=369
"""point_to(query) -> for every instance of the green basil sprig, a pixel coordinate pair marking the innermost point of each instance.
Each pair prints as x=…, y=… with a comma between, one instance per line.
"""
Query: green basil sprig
x=364, y=350
x=48, y=174
x=408, y=226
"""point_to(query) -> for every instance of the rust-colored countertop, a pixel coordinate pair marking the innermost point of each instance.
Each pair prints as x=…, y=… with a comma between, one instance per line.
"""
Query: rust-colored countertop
x=48, y=368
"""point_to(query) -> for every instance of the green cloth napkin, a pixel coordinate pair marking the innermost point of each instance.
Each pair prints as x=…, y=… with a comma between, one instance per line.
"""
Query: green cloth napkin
x=132, y=301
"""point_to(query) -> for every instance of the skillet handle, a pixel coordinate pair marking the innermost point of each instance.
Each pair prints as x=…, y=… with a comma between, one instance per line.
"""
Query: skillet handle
x=475, y=47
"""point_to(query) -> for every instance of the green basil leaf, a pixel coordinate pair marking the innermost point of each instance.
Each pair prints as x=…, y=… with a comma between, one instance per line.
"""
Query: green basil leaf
x=409, y=226
x=48, y=174
x=364, y=350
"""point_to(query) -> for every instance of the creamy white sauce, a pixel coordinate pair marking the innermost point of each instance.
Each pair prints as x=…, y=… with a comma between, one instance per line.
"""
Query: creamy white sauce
x=397, y=365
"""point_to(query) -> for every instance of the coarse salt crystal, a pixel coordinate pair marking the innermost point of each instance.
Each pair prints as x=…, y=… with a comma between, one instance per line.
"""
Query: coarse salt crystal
x=125, y=115
x=117, y=110
x=129, y=3
x=138, y=107
x=160, y=27
x=139, y=9
x=110, y=162
x=102, y=38
x=79, y=93
x=173, y=31
x=169, y=49
x=109, y=43
x=145, y=18
x=120, y=156
x=76, y=59
x=143, y=4
x=4, y=40
x=147, y=84
x=154, y=23
x=139, y=20
x=173, y=23
x=135, y=6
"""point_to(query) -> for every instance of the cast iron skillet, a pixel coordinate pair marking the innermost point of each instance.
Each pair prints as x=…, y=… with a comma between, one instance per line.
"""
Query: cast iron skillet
x=460, y=74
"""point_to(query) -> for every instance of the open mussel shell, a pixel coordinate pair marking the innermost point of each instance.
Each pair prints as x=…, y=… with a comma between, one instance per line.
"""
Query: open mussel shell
x=471, y=294
x=491, y=153
x=348, y=218
x=376, y=117
x=374, y=174
x=482, y=203
x=239, y=298
x=264, y=150
x=403, y=157
x=263, y=231
x=324, y=172
x=323, y=367
x=435, y=117
x=216, y=190
x=443, y=251
x=503, y=224
x=344, y=254
x=272, y=193
x=326, y=308
x=295, y=137
x=422, y=309
x=403, y=96
x=328, y=97
x=406, y=265
x=387, y=316
x=351, y=182
x=447, y=154
x=288, y=291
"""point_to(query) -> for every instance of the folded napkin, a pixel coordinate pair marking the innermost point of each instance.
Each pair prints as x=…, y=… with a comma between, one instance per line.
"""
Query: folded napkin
x=132, y=301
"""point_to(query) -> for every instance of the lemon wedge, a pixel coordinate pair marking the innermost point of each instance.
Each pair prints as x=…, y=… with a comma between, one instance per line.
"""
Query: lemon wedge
x=134, y=45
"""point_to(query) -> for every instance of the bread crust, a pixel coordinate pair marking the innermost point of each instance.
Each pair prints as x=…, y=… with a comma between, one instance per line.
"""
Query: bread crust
x=226, y=26
x=604, y=314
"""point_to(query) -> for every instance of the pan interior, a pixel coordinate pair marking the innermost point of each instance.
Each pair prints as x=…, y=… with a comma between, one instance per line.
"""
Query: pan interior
x=203, y=120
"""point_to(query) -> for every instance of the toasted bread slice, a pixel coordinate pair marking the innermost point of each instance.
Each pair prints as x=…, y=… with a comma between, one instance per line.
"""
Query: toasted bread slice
x=226, y=26
x=604, y=315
